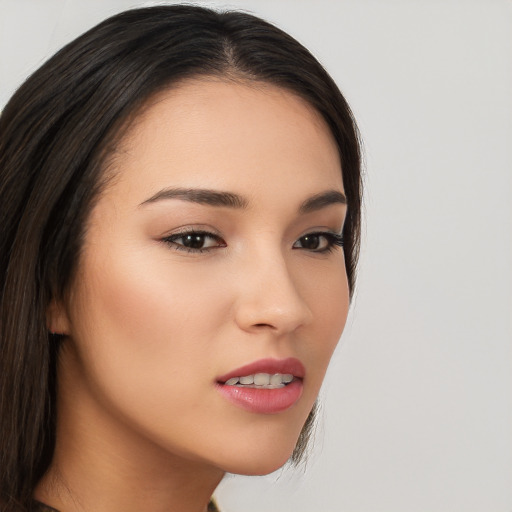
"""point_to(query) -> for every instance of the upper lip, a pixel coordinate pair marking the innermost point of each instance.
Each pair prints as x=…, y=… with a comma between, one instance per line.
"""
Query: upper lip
x=290, y=365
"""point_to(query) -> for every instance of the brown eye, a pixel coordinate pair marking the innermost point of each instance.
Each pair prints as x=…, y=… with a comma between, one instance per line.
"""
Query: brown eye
x=318, y=242
x=194, y=241
x=311, y=242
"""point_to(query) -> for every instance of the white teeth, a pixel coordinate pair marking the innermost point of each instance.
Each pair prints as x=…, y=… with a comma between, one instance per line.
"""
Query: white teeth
x=276, y=379
x=261, y=380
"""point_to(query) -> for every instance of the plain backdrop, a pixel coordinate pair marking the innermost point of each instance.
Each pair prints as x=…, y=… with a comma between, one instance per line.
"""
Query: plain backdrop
x=417, y=407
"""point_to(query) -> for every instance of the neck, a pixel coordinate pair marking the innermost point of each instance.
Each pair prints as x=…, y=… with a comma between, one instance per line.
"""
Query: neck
x=100, y=465
x=102, y=488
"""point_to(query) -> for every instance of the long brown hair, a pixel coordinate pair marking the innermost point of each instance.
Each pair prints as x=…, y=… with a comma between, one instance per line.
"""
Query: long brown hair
x=55, y=135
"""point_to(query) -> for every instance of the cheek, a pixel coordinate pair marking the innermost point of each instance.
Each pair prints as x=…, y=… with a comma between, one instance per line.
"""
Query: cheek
x=143, y=331
x=148, y=305
x=329, y=301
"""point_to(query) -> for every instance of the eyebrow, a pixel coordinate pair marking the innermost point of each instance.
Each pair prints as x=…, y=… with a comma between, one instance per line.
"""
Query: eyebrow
x=322, y=200
x=201, y=196
x=232, y=200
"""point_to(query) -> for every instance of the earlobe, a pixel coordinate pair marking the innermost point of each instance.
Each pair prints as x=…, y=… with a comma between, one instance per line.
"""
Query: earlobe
x=57, y=320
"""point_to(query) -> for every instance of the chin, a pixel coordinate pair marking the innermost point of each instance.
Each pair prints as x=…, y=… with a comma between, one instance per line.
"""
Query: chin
x=260, y=446
x=259, y=460
x=258, y=467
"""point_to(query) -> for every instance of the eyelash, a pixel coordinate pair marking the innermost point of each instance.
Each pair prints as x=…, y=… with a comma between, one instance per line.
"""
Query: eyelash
x=333, y=240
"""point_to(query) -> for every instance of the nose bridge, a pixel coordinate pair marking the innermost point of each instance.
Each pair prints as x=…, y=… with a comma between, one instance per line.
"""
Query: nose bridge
x=268, y=293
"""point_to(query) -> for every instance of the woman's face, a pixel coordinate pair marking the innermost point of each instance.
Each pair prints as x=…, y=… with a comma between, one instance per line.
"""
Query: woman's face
x=216, y=246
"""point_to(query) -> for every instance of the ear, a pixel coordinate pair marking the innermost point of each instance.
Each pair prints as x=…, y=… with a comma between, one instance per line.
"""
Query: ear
x=57, y=319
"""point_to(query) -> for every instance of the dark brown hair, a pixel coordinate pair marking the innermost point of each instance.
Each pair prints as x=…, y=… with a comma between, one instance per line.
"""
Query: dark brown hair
x=55, y=135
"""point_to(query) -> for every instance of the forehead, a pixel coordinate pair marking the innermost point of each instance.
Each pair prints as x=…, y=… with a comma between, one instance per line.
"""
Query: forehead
x=215, y=133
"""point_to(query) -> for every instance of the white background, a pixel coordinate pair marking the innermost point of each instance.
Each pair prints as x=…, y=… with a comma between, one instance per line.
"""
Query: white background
x=417, y=407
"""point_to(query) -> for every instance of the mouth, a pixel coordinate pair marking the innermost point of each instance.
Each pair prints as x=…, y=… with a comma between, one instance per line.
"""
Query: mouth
x=261, y=381
x=266, y=386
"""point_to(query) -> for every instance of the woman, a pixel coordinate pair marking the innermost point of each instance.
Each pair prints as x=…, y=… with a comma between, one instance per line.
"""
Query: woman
x=180, y=194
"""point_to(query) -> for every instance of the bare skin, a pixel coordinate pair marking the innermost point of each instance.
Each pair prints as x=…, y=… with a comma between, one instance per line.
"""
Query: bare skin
x=152, y=323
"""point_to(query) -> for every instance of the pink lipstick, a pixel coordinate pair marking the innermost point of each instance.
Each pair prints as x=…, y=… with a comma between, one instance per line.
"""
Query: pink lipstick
x=266, y=386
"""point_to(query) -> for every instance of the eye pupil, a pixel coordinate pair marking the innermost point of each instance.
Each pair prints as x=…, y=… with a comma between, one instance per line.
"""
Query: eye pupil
x=193, y=241
x=310, y=242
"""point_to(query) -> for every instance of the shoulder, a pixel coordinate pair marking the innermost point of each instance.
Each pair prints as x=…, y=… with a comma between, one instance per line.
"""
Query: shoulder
x=41, y=507
x=212, y=507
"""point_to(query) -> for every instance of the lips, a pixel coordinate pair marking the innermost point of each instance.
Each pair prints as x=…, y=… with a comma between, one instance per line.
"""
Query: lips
x=267, y=386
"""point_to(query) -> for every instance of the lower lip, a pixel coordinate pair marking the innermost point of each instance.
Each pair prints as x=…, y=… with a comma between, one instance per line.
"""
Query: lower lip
x=263, y=401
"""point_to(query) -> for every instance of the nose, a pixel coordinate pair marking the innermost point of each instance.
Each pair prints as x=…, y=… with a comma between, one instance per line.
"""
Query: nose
x=268, y=297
